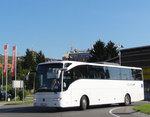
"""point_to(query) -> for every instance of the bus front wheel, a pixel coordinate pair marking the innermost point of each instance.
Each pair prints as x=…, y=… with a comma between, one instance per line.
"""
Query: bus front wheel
x=83, y=103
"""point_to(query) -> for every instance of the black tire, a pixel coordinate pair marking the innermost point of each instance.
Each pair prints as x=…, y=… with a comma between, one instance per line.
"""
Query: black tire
x=59, y=109
x=83, y=103
x=127, y=100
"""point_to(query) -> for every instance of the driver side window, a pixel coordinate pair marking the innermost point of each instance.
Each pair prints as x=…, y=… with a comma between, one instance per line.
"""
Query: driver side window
x=74, y=74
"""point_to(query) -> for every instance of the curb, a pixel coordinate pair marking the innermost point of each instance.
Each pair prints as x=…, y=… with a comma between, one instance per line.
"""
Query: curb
x=3, y=103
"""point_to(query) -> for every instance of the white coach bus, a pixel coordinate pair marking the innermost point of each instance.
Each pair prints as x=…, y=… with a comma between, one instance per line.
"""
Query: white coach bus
x=79, y=84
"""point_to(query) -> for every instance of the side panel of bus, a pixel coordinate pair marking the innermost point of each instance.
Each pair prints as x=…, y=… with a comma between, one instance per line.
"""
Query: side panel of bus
x=105, y=91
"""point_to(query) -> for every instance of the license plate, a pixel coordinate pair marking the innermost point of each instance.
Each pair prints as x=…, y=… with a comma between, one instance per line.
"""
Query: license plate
x=43, y=104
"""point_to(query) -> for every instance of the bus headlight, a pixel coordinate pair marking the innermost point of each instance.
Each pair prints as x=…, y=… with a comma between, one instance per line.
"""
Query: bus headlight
x=56, y=99
x=34, y=99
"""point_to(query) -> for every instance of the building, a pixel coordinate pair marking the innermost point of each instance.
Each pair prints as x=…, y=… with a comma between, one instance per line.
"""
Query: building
x=51, y=59
x=77, y=55
x=137, y=57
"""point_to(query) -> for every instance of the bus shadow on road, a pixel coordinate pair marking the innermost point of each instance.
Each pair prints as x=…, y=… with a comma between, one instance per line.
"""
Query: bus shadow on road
x=31, y=109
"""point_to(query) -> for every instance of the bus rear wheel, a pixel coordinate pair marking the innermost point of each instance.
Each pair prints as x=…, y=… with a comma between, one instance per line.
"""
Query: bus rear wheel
x=127, y=100
x=83, y=103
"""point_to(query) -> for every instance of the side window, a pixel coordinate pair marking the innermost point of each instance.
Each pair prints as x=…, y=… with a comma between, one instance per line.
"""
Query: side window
x=76, y=73
x=93, y=72
x=83, y=71
x=67, y=64
x=137, y=74
x=114, y=73
x=67, y=79
x=131, y=77
x=124, y=74
x=102, y=73
x=96, y=72
x=72, y=75
x=107, y=74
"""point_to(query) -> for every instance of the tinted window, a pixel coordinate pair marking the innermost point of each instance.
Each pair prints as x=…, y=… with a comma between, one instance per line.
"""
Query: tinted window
x=96, y=72
x=67, y=64
x=124, y=74
x=74, y=74
x=131, y=77
x=114, y=73
x=131, y=74
x=136, y=74
x=45, y=75
x=100, y=72
x=107, y=73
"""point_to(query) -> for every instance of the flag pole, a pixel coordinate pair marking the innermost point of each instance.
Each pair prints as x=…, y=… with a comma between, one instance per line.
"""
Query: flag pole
x=6, y=66
x=7, y=73
x=2, y=70
x=14, y=65
x=15, y=69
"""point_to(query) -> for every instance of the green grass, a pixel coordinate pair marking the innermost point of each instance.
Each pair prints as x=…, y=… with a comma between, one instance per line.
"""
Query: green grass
x=29, y=95
x=2, y=101
x=19, y=102
x=143, y=108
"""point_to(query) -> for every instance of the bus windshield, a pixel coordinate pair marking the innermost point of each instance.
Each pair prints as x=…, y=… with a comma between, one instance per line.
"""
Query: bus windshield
x=48, y=78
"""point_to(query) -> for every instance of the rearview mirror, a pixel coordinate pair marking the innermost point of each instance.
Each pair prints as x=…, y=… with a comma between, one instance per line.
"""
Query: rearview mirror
x=27, y=77
x=64, y=69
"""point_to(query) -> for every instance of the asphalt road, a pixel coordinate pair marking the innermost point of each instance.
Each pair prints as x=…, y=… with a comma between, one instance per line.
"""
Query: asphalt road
x=98, y=111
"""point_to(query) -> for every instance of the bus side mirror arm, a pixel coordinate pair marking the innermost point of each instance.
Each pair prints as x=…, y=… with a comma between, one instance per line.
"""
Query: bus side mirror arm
x=28, y=74
x=27, y=77
x=64, y=69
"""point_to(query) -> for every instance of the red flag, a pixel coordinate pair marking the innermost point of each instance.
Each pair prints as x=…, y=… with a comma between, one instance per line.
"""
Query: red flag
x=5, y=59
x=13, y=62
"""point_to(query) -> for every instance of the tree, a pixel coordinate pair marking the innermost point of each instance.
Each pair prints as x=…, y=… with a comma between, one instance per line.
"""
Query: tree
x=19, y=68
x=111, y=50
x=29, y=63
x=102, y=52
x=98, y=52
x=40, y=57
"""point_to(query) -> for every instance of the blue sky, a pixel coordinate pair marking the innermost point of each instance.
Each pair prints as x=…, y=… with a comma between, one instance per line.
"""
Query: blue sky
x=53, y=25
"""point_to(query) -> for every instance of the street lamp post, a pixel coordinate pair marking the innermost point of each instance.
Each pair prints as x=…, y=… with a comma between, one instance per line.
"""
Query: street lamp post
x=119, y=48
x=119, y=56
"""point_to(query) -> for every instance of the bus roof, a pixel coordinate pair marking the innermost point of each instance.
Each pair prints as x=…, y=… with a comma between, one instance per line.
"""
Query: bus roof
x=76, y=63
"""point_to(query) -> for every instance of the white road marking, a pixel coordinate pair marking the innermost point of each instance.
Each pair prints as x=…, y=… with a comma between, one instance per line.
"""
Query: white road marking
x=111, y=111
